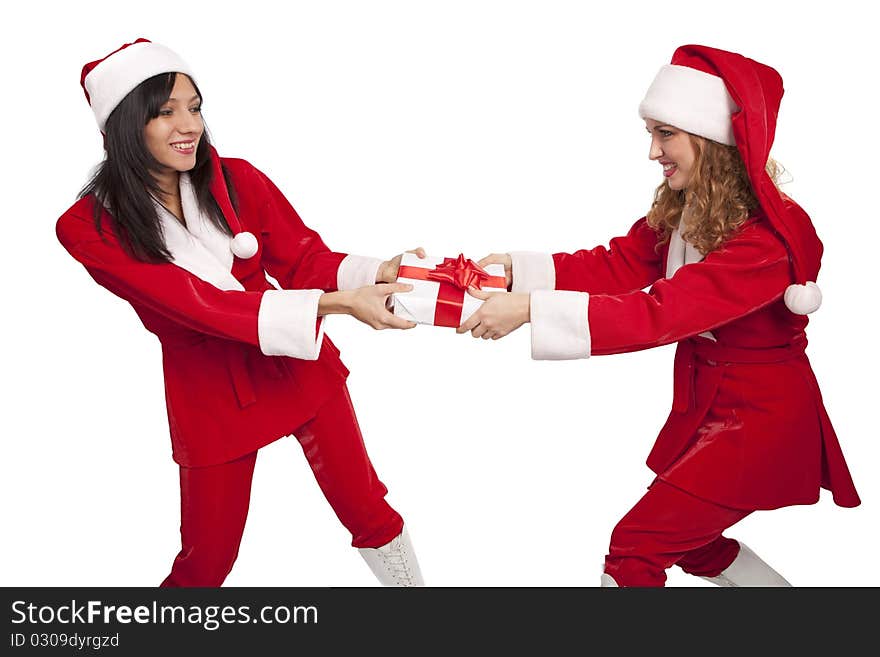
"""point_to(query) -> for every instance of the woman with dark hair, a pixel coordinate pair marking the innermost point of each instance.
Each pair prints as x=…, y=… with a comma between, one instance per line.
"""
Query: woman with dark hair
x=188, y=238
x=731, y=264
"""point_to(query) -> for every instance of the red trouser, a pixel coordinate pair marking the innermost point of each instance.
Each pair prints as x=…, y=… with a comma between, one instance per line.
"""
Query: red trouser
x=671, y=527
x=214, y=500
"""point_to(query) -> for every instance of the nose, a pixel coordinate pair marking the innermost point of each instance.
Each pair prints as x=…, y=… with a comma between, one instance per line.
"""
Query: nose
x=190, y=123
x=655, y=152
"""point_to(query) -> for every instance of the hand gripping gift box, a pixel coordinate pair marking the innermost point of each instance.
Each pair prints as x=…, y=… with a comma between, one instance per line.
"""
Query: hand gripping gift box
x=439, y=296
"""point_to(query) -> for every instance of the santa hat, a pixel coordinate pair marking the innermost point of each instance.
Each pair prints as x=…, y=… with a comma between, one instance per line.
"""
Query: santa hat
x=734, y=100
x=108, y=80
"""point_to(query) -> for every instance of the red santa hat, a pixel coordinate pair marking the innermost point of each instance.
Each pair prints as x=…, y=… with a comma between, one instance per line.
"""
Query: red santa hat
x=734, y=100
x=108, y=80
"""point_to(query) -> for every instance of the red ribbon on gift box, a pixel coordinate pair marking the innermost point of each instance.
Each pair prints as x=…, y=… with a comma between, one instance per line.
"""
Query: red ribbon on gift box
x=455, y=275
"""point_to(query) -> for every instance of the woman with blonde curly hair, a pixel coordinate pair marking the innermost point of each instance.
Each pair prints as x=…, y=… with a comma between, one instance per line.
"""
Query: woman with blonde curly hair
x=724, y=264
x=718, y=191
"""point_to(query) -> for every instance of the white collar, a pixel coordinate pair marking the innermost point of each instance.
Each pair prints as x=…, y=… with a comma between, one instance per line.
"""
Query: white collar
x=198, y=247
x=680, y=252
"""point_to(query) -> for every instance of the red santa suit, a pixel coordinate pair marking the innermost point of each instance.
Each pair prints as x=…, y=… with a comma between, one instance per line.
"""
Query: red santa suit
x=244, y=362
x=748, y=429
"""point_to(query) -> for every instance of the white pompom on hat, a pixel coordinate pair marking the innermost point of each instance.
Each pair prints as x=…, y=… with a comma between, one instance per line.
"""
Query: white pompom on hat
x=244, y=245
x=108, y=80
x=735, y=100
x=803, y=299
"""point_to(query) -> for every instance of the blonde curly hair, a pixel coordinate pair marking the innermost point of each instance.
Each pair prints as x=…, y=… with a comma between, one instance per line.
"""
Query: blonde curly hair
x=718, y=198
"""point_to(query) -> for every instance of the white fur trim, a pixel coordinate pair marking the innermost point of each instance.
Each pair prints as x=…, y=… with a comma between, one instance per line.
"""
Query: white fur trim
x=201, y=227
x=676, y=253
x=691, y=100
x=357, y=271
x=244, y=245
x=286, y=323
x=197, y=251
x=560, y=329
x=111, y=80
x=531, y=270
x=683, y=253
x=803, y=299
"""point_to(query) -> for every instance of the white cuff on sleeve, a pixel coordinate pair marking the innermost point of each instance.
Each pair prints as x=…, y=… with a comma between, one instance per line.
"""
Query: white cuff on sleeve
x=560, y=328
x=356, y=271
x=286, y=323
x=532, y=271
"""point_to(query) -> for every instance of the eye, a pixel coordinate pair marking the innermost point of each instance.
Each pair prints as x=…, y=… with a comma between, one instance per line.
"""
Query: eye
x=196, y=110
x=165, y=112
x=666, y=133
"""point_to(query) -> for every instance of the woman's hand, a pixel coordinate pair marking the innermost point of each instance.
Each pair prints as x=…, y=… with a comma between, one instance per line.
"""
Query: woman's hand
x=501, y=313
x=388, y=270
x=500, y=259
x=367, y=304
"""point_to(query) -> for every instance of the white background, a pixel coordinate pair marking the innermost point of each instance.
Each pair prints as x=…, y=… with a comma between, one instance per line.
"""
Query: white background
x=463, y=127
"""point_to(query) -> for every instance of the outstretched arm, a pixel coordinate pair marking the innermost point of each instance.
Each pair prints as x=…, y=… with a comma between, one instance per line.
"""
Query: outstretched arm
x=748, y=272
x=631, y=262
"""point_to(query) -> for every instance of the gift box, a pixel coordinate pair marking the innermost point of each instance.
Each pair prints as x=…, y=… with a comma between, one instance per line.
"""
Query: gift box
x=439, y=296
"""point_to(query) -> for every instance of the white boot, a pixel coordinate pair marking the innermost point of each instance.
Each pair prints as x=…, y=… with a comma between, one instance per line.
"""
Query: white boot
x=395, y=563
x=748, y=569
x=607, y=581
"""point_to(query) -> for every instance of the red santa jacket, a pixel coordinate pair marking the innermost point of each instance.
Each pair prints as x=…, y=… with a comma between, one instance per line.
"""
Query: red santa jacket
x=748, y=428
x=225, y=397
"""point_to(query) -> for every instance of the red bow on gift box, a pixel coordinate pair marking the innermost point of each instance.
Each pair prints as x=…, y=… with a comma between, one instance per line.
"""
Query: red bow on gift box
x=455, y=275
x=461, y=272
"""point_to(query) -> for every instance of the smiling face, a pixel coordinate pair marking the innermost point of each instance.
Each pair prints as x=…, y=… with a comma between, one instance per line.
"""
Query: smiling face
x=173, y=135
x=674, y=150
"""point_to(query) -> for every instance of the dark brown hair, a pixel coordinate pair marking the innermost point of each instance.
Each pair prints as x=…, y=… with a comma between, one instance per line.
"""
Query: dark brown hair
x=124, y=182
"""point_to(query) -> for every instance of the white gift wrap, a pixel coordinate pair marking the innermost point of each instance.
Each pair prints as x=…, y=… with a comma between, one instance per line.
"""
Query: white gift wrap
x=419, y=304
